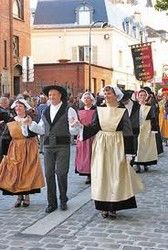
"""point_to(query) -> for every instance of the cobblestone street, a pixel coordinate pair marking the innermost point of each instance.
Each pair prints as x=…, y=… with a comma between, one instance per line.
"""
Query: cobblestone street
x=144, y=228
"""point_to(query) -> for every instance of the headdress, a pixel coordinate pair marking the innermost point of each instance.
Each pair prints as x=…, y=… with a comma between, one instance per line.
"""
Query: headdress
x=87, y=93
x=23, y=101
x=119, y=94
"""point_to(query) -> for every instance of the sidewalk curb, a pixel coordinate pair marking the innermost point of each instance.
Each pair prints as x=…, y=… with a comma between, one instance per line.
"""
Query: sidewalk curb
x=50, y=221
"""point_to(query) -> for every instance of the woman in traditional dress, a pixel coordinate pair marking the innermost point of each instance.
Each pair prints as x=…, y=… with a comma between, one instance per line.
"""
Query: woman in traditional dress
x=147, y=149
x=20, y=170
x=164, y=117
x=153, y=102
x=114, y=182
x=133, y=108
x=84, y=148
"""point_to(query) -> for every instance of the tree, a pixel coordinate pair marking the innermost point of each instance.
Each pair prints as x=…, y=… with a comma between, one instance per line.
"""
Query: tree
x=161, y=5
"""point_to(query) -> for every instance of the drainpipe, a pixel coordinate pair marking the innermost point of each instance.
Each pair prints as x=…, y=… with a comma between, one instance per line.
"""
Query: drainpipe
x=11, y=87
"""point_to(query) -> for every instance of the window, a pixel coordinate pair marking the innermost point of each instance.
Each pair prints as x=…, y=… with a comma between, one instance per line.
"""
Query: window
x=120, y=58
x=134, y=30
x=84, y=15
x=102, y=83
x=94, y=85
x=15, y=46
x=5, y=53
x=83, y=53
x=18, y=9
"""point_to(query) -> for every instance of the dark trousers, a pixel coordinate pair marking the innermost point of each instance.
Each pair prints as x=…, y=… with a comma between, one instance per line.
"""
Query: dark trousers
x=56, y=161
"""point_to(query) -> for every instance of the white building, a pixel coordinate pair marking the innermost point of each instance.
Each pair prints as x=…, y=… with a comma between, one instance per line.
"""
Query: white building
x=62, y=30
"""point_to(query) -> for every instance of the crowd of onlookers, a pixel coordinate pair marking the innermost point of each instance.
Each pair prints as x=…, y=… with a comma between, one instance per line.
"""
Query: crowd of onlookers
x=40, y=102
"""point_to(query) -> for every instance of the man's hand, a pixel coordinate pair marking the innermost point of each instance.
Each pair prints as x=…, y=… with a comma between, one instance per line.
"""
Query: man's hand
x=74, y=122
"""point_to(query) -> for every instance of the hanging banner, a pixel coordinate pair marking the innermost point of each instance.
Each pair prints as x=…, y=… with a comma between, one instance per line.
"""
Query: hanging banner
x=143, y=63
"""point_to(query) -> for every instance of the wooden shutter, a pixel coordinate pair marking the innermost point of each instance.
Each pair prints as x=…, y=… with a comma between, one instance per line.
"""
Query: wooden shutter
x=74, y=54
x=94, y=54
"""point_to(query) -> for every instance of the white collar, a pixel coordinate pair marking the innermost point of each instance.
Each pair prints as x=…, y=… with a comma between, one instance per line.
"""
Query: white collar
x=19, y=119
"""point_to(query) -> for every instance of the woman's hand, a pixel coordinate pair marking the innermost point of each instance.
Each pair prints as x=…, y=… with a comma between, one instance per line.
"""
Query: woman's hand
x=27, y=121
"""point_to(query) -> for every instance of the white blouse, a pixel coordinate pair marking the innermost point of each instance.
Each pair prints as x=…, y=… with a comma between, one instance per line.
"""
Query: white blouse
x=72, y=116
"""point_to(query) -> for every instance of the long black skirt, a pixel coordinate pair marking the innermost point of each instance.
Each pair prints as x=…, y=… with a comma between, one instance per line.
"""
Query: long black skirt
x=33, y=191
x=115, y=206
x=147, y=163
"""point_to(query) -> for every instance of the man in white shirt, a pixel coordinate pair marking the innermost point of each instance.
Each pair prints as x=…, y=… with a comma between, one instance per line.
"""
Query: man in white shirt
x=55, y=125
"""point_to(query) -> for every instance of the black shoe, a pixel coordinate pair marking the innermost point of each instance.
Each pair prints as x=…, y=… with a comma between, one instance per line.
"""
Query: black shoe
x=88, y=180
x=138, y=169
x=112, y=215
x=50, y=209
x=132, y=162
x=104, y=214
x=63, y=206
x=19, y=201
x=26, y=203
x=146, y=168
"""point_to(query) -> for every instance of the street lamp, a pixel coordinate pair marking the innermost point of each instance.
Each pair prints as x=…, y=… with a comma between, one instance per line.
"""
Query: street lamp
x=103, y=25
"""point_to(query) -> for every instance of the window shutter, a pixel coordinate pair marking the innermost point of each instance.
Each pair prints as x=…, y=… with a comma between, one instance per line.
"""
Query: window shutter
x=94, y=54
x=74, y=54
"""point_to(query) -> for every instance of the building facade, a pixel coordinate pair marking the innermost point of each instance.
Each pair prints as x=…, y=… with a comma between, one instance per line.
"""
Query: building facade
x=72, y=76
x=77, y=33
x=15, y=43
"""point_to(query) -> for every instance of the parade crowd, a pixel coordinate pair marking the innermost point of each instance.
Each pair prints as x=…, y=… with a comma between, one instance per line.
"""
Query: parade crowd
x=117, y=134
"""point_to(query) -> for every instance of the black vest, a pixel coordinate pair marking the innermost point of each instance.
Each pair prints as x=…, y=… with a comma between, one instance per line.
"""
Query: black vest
x=56, y=132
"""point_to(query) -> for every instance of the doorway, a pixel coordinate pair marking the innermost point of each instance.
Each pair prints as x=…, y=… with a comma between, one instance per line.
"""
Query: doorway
x=17, y=79
x=16, y=87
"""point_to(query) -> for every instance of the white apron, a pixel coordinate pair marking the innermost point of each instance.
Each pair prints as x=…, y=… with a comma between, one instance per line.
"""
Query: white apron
x=113, y=179
x=147, y=148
